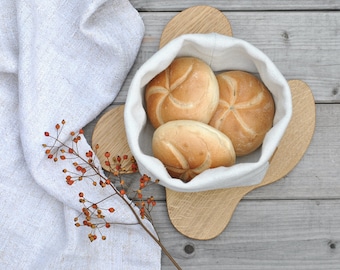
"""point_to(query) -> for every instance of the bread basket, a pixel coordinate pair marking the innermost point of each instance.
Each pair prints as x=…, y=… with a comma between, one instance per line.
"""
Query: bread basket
x=221, y=53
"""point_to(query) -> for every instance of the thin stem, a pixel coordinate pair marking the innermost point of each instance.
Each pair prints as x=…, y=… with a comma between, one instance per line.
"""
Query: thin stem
x=166, y=252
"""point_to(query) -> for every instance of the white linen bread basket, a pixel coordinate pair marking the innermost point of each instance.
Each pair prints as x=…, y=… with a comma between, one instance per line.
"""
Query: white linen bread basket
x=221, y=53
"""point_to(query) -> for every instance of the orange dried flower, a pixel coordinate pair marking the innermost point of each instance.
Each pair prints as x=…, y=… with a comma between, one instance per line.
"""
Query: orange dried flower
x=70, y=182
x=89, y=154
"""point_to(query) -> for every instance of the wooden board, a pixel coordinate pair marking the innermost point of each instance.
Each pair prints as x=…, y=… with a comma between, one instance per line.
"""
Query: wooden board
x=191, y=213
x=198, y=19
x=109, y=134
x=204, y=215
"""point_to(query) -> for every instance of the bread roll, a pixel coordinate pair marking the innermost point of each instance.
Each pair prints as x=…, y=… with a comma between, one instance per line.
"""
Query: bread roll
x=187, y=89
x=187, y=148
x=245, y=112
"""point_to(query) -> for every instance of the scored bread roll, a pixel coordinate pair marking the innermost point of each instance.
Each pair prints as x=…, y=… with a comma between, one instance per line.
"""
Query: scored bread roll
x=245, y=112
x=187, y=89
x=187, y=148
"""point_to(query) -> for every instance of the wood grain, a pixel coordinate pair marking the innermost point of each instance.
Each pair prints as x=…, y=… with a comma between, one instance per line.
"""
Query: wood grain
x=263, y=234
x=249, y=5
x=299, y=51
x=197, y=19
x=109, y=134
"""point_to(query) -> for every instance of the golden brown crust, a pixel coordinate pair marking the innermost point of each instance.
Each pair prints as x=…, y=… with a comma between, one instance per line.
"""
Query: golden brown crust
x=245, y=112
x=187, y=89
x=187, y=148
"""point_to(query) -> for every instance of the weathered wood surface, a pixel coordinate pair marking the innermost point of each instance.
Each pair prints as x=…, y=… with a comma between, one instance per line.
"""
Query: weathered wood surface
x=295, y=222
x=303, y=45
x=223, y=5
x=263, y=234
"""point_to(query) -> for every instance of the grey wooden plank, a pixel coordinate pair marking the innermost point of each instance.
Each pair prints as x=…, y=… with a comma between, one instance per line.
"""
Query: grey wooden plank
x=155, y=5
x=317, y=174
x=272, y=234
x=303, y=45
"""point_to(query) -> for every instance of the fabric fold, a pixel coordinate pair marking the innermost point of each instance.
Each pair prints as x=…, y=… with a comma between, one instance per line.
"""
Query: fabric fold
x=61, y=60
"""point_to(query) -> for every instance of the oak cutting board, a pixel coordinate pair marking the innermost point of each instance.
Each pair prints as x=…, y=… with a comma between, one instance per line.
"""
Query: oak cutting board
x=204, y=215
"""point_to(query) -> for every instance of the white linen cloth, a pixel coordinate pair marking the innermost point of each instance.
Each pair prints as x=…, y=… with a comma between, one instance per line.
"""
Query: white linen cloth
x=221, y=53
x=61, y=60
